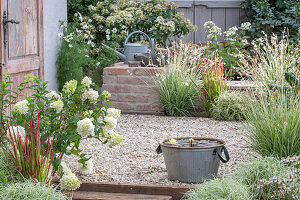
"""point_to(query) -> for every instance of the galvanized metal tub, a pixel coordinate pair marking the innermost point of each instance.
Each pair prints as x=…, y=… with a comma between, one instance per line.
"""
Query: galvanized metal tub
x=193, y=164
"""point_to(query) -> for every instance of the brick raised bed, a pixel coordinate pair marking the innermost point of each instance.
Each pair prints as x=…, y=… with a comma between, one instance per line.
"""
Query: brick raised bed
x=133, y=89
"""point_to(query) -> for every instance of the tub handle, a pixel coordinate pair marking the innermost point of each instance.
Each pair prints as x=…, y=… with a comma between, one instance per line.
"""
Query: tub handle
x=158, y=150
x=227, y=157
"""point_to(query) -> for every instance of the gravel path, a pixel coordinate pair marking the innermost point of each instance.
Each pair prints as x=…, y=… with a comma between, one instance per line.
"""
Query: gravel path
x=135, y=159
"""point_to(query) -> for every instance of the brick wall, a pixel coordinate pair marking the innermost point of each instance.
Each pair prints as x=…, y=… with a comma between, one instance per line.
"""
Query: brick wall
x=132, y=88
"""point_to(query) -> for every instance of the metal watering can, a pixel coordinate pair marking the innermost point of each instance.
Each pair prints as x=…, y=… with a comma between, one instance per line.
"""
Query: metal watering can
x=133, y=49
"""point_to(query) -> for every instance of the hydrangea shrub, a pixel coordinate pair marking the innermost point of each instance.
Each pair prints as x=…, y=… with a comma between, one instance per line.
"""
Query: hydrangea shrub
x=66, y=118
x=115, y=19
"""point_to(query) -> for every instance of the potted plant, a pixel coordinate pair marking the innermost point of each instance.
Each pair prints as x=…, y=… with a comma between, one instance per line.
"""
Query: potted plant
x=193, y=159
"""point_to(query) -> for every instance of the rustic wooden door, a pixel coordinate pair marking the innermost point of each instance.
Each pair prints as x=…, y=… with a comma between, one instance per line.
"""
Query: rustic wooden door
x=22, y=39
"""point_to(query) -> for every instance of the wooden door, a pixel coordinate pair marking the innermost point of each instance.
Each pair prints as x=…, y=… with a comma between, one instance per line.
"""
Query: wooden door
x=22, y=39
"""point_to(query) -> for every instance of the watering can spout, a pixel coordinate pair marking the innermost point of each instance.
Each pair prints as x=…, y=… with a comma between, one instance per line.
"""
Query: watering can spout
x=118, y=53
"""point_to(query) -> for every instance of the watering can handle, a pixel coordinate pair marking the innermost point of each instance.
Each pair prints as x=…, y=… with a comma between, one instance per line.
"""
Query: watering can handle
x=151, y=42
x=227, y=157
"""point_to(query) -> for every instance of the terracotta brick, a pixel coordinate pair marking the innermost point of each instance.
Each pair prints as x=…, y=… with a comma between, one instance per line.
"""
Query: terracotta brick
x=109, y=79
x=145, y=71
x=116, y=70
x=122, y=105
x=133, y=98
x=145, y=89
x=133, y=80
x=116, y=88
x=114, y=97
x=148, y=107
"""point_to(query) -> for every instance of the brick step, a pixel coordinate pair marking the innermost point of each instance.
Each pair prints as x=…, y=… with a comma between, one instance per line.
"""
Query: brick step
x=88, y=195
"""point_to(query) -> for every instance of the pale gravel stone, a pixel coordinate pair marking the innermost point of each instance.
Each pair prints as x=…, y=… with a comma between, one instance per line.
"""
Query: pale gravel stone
x=135, y=159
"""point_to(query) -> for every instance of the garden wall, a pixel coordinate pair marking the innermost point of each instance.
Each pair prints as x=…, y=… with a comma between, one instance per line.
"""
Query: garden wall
x=133, y=89
x=224, y=13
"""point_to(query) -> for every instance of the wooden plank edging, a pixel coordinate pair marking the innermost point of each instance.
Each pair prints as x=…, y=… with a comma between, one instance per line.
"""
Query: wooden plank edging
x=177, y=192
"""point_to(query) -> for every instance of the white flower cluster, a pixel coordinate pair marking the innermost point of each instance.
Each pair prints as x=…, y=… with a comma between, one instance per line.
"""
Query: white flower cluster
x=120, y=17
x=85, y=127
x=17, y=130
x=69, y=181
x=70, y=87
x=246, y=26
x=86, y=81
x=84, y=32
x=213, y=31
x=105, y=94
x=52, y=95
x=91, y=94
x=231, y=33
x=21, y=107
x=110, y=121
x=88, y=169
x=57, y=105
x=163, y=25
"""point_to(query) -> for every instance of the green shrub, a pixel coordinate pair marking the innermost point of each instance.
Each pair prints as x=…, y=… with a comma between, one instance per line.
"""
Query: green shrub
x=227, y=188
x=229, y=51
x=274, y=125
x=273, y=16
x=30, y=190
x=253, y=172
x=274, y=115
x=8, y=168
x=177, y=92
x=81, y=6
x=228, y=106
x=176, y=83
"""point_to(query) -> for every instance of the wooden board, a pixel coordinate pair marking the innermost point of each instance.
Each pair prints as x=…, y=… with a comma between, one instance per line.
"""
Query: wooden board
x=176, y=192
x=86, y=195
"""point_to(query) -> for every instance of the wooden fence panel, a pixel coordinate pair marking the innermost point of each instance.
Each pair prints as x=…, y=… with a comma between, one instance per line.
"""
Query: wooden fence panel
x=224, y=13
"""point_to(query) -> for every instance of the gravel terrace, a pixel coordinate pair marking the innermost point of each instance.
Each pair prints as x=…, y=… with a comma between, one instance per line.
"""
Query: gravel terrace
x=135, y=159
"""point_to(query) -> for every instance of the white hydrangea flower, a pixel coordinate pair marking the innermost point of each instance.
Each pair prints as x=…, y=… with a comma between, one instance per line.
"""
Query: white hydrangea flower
x=107, y=37
x=246, y=26
x=115, y=139
x=91, y=94
x=17, y=130
x=85, y=127
x=113, y=112
x=86, y=81
x=70, y=87
x=110, y=124
x=66, y=169
x=88, y=169
x=69, y=182
x=106, y=94
x=21, y=107
x=57, y=105
x=107, y=31
x=52, y=94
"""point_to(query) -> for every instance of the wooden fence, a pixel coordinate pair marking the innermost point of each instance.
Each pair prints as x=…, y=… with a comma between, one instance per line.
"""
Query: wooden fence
x=224, y=13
